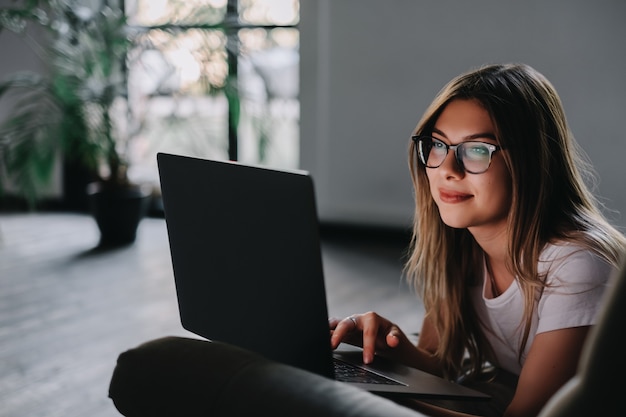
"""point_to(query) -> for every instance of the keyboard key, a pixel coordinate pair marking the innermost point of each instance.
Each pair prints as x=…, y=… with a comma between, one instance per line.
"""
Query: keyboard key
x=347, y=372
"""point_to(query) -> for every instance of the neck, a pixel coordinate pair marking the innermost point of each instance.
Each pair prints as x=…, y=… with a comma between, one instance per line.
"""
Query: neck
x=494, y=243
x=500, y=275
x=493, y=239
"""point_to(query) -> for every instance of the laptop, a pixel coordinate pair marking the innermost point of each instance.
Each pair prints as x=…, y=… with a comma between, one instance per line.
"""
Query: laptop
x=246, y=256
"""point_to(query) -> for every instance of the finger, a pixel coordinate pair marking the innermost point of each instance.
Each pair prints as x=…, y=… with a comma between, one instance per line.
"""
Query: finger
x=354, y=322
x=341, y=330
x=393, y=338
x=333, y=321
x=370, y=331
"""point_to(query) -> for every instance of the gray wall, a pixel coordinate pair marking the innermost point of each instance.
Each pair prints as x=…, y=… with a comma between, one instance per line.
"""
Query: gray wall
x=369, y=68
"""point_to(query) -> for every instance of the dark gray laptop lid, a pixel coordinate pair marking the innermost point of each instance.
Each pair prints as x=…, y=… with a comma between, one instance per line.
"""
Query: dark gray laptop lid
x=228, y=221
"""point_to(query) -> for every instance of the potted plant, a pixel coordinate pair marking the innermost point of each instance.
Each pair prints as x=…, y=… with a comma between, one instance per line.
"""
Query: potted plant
x=76, y=110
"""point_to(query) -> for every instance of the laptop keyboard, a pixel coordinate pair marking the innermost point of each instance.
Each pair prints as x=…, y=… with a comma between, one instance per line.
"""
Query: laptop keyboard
x=347, y=372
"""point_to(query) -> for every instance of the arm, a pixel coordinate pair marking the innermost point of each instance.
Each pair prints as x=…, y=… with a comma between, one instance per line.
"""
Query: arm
x=552, y=360
x=566, y=310
x=378, y=335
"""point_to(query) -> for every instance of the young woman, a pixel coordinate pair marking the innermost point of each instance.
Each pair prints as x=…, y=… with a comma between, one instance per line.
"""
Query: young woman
x=510, y=252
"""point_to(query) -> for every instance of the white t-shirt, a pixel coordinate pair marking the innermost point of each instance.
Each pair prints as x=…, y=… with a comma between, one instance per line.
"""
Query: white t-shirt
x=578, y=278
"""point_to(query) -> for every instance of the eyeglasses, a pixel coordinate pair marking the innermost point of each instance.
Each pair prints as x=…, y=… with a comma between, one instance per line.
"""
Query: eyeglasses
x=472, y=156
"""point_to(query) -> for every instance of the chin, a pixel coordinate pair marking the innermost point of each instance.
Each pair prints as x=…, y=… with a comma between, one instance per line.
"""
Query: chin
x=455, y=223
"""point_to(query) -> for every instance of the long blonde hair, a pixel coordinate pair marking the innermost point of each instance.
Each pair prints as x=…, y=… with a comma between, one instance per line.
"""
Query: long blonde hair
x=551, y=201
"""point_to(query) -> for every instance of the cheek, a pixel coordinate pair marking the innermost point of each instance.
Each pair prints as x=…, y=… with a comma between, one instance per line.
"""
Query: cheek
x=500, y=191
x=431, y=175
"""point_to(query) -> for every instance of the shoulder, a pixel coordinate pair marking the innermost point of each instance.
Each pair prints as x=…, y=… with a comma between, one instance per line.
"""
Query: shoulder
x=572, y=263
x=576, y=280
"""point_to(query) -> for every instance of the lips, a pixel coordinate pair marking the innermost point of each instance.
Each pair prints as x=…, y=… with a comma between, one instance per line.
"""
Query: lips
x=448, y=196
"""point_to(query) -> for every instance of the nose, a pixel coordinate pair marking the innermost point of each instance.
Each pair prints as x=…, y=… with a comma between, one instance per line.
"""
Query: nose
x=450, y=166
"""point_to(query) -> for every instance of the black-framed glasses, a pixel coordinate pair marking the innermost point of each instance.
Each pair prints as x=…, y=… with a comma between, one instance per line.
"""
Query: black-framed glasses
x=472, y=156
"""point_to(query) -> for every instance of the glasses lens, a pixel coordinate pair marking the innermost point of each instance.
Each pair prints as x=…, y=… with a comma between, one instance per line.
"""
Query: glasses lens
x=432, y=152
x=476, y=156
x=423, y=149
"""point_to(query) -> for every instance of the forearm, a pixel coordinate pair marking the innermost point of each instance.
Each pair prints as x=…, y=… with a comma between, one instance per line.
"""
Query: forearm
x=423, y=359
x=415, y=356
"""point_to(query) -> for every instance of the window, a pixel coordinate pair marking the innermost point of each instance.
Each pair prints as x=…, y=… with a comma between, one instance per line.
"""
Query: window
x=213, y=79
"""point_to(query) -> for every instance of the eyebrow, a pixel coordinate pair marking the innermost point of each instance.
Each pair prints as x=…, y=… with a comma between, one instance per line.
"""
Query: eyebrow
x=483, y=135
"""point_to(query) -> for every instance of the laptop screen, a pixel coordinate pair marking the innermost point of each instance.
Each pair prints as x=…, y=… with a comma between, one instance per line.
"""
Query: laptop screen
x=245, y=250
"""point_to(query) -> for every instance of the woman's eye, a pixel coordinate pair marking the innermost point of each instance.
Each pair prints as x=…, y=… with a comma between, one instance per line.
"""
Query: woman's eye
x=478, y=151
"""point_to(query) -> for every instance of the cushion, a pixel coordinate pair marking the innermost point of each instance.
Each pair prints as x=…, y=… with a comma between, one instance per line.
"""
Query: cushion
x=175, y=376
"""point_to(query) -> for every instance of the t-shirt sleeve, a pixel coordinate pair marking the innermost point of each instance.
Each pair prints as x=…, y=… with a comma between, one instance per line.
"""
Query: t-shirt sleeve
x=578, y=281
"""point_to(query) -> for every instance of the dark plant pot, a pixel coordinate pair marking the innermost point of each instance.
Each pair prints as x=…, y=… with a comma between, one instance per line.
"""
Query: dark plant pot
x=76, y=180
x=118, y=211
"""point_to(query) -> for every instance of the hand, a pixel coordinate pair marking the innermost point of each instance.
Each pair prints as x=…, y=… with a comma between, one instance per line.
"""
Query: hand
x=370, y=331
